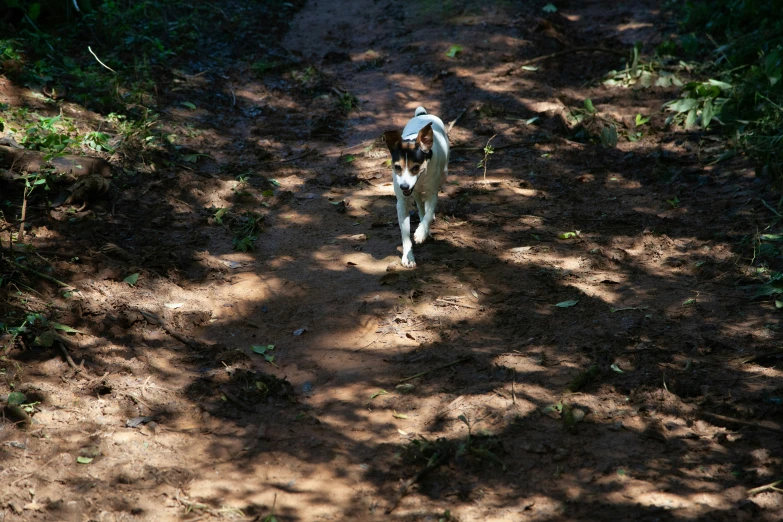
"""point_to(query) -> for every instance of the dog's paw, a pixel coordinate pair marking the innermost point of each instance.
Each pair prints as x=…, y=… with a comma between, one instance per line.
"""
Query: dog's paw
x=421, y=234
x=408, y=261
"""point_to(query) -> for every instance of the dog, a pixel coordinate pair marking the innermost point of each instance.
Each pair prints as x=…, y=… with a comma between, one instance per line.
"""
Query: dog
x=420, y=158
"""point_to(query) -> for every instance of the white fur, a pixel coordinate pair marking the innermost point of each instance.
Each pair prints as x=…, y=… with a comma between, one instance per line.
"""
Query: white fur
x=425, y=185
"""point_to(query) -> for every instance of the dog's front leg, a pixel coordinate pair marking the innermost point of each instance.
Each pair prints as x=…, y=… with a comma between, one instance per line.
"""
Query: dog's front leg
x=423, y=230
x=404, y=218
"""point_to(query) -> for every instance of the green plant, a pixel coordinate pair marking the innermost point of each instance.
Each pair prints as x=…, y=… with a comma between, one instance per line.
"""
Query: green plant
x=488, y=150
x=699, y=103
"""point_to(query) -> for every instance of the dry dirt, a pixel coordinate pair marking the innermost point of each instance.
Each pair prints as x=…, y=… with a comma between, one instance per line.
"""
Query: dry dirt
x=672, y=425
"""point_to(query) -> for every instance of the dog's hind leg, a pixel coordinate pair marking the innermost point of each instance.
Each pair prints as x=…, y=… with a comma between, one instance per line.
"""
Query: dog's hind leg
x=423, y=230
x=404, y=218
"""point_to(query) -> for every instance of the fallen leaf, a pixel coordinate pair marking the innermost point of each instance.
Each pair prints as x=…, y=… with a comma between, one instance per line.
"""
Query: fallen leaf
x=131, y=279
x=567, y=304
x=453, y=51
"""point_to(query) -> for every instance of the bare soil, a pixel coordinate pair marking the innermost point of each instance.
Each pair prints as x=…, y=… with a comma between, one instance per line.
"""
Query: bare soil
x=637, y=402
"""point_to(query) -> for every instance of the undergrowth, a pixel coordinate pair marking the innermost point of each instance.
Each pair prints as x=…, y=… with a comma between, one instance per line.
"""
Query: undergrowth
x=740, y=44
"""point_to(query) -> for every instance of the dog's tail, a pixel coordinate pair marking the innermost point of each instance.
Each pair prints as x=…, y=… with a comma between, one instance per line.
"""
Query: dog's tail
x=419, y=111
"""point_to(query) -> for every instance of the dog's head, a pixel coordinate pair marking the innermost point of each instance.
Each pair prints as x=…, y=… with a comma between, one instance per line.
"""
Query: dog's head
x=409, y=157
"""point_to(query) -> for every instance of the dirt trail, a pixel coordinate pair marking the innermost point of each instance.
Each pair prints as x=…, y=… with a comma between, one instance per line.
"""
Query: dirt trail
x=657, y=311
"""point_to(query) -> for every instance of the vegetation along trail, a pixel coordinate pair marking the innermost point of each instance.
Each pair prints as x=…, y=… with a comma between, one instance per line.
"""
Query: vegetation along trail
x=204, y=315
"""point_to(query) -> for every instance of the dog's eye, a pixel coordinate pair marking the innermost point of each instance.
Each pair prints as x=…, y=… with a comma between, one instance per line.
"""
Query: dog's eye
x=397, y=168
x=415, y=169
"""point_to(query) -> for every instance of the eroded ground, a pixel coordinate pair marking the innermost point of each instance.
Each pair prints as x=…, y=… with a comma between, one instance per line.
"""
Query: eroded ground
x=672, y=424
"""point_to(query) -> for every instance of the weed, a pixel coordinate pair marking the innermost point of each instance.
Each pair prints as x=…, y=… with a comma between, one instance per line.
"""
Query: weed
x=488, y=150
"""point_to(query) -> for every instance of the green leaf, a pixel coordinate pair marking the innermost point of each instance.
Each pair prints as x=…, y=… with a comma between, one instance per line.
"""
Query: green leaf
x=378, y=393
x=84, y=460
x=690, y=120
x=616, y=368
x=567, y=304
x=529, y=68
x=684, y=105
x=688, y=302
x=262, y=349
x=189, y=105
x=589, y=107
x=218, y=217
x=274, y=182
x=706, y=114
x=453, y=51
x=65, y=328
x=34, y=12
x=549, y=8
x=131, y=279
x=16, y=398
x=721, y=85
x=399, y=415
x=609, y=136
x=641, y=120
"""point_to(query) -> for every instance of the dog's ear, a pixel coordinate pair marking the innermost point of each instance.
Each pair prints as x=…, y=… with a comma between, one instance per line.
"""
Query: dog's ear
x=424, y=139
x=392, y=139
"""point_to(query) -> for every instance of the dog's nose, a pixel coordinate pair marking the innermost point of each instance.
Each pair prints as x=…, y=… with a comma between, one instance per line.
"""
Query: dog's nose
x=405, y=187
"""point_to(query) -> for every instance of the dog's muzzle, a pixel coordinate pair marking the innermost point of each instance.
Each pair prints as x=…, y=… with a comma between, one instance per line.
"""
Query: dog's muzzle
x=406, y=189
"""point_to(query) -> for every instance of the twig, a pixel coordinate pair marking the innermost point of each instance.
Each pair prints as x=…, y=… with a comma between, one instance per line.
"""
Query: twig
x=39, y=274
x=742, y=422
x=568, y=51
x=99, y=60
x=67, y=356
x=499, y=147
x=513, y=392
x=452, y=363
x=759, y=356
x=455, y=120
x=439, y=300
x=288, y=160
x=371, y=342
x=765, y=487
x=411, y=481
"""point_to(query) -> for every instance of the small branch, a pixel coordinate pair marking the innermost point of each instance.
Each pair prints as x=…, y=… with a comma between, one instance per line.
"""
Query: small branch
x=760, y=356
x=67, y=356
x=766, y=487
x=39, y=274
x=742, y=422
x=99, y=60
x=454, y=303
x=442, y=366
x=513, y=392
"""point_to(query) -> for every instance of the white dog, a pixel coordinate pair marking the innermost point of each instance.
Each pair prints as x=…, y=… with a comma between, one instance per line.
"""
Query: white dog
x=420, y=157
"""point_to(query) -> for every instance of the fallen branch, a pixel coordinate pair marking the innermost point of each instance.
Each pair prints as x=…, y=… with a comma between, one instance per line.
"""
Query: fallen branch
x=39, y=274
x=766, y=487
x=454, y=303
x=724, y=418
x=442, y=366
x=67, y=356
x=752, y=358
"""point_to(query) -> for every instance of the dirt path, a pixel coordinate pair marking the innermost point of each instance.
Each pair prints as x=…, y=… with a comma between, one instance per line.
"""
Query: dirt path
x=651, y=311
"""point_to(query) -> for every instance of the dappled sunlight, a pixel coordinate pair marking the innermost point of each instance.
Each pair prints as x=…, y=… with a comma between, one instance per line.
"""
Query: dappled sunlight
x=575, y=340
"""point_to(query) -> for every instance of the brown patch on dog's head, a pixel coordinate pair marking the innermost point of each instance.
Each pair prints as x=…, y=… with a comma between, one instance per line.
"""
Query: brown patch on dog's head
x=409, y=154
